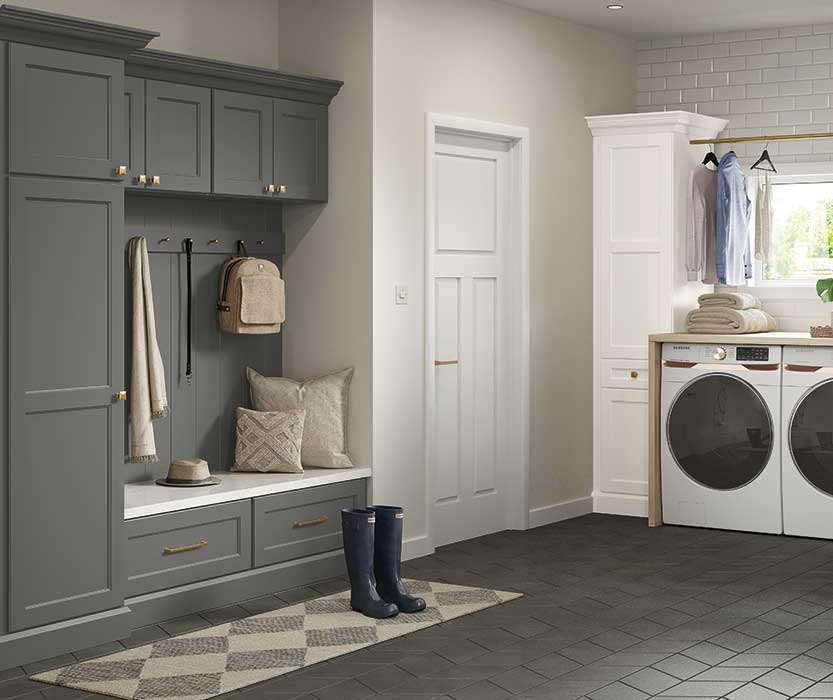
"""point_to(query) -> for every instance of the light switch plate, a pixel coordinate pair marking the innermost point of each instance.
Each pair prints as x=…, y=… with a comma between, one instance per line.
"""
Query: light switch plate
x=401, y=294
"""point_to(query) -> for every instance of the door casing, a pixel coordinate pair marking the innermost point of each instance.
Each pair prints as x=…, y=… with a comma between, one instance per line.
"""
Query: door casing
x=517, y=352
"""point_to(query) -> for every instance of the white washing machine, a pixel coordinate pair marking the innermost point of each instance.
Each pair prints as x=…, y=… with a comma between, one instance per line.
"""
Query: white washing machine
x=807, y=437
x=720, y=452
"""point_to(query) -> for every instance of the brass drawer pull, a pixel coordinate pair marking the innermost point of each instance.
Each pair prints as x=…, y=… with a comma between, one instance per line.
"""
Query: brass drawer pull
x=439, y=363
x=314, y=521
x=634, y=374
x=186, y=548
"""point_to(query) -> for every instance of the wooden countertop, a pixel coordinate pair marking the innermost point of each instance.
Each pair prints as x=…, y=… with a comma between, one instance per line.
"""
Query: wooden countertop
x=773, y=338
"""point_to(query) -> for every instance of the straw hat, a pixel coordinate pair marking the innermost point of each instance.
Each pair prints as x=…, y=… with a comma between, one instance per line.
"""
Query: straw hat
x=188, y=472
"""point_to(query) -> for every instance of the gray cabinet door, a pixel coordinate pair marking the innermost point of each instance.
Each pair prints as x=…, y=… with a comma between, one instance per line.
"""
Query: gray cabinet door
x=243, y=143
x=65, y=113
x=178, y=131
x=301, y=150
x=66, y=356
x=134, y=129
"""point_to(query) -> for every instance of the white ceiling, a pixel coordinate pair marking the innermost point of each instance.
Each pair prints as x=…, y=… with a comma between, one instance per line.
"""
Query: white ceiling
x=659, y=18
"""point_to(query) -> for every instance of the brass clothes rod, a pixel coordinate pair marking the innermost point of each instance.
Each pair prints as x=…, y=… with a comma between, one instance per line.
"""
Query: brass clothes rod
x=762, y=139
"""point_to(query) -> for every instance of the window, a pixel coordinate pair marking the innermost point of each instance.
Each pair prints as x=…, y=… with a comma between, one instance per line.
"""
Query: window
x=802, y=235
x=802, y=231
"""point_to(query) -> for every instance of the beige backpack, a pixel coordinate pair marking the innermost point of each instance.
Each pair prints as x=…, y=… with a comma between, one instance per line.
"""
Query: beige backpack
x=251, y=295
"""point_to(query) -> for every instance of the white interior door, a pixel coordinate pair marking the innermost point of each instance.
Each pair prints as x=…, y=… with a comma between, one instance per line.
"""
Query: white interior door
x=471, y=299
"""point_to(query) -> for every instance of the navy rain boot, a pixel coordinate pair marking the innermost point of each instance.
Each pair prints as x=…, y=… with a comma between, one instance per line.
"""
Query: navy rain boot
x=388, y=560
x=357, y=526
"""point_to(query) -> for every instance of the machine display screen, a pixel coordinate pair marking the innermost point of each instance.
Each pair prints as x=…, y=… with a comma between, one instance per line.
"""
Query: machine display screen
x=752, y=354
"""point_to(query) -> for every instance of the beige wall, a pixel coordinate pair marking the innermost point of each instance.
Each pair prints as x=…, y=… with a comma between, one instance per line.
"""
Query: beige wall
x=243, y=31
x=328, y=265
x=489, y=61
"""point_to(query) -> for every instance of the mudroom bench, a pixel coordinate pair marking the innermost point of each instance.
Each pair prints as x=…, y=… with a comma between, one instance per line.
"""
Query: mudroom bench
x=193, y=549
x=105, y=139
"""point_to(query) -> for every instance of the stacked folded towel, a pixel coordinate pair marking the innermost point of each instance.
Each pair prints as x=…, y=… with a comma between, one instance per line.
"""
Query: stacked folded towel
x=729, y=312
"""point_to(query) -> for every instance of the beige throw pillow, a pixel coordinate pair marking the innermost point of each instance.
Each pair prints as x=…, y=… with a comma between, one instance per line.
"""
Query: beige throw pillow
x=269, y=441
x=325, y=401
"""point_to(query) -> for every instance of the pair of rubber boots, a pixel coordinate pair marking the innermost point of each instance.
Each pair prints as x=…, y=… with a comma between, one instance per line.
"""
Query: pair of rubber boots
x=373, y=550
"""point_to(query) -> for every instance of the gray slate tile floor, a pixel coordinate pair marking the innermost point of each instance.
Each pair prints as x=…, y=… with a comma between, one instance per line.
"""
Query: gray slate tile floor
x=612, y=611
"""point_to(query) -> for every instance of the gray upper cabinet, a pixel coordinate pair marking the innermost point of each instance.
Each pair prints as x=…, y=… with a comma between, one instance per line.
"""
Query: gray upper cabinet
x=270, y=147
x=178, y=132
x=243, y=143
x=66, y=348
x=65, y=113
x=134, y=130
x=301, y=150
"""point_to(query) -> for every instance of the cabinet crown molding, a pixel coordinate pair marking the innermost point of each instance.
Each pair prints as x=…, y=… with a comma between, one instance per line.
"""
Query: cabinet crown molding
x=236, y=77
x=27, y=25
x=675, y=121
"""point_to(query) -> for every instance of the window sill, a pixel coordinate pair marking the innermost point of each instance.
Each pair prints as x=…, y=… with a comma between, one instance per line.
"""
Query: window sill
x=778, y=292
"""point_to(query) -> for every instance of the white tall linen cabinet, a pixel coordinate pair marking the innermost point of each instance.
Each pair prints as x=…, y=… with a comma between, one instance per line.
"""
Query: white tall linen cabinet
x=641, y=166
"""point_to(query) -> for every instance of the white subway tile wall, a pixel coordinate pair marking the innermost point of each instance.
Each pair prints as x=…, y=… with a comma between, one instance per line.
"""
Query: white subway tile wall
x=765, y=81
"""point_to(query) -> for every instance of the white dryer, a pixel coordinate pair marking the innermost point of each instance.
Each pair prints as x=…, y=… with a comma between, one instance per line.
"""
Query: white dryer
x=720, y=453
x=807, y=459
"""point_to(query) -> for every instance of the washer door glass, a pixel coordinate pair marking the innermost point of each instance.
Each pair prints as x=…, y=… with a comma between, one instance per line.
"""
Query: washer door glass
x=811, y=437
x=720, y=431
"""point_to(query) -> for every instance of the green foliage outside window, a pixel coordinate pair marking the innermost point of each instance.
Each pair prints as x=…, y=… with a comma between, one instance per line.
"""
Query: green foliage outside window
x=802, y=232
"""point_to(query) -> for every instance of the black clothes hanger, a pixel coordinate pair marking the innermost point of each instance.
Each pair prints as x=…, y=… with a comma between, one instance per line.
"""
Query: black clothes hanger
x=764, y=163
x=711, y=158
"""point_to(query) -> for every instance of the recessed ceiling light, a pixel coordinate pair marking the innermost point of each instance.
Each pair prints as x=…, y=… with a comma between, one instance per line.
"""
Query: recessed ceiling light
x=615, y=7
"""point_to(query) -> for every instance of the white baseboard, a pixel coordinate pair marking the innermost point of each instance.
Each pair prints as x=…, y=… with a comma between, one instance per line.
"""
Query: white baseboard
x=556, y=512
x=620, y=504
x=415, y=547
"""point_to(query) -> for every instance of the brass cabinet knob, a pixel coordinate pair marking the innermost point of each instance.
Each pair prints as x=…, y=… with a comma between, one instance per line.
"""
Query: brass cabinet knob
x=155, y=180
x=282, y=189
x=634, y=374
x=269, y=189
x=121, y=170
x=121, y=396
x=142, y=179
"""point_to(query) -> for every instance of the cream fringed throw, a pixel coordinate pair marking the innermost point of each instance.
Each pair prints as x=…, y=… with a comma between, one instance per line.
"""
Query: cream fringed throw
x=148, y=398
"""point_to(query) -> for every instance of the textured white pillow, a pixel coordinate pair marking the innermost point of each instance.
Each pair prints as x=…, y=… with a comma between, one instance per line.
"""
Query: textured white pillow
x=269, y=441
x=325, y=400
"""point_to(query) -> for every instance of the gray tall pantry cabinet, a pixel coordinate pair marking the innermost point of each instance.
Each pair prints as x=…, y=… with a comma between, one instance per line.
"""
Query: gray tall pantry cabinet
x=94, y=117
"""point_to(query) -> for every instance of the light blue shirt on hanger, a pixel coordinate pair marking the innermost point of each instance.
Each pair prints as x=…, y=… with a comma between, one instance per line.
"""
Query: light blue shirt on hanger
x=734, y=212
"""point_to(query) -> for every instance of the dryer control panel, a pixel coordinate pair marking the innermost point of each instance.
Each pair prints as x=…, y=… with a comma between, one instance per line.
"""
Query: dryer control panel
x=753, y=353
x=702, y=353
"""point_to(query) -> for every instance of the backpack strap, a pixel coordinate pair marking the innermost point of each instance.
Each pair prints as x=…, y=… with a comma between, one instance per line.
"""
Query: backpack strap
x=189, y=247
x=241, y=249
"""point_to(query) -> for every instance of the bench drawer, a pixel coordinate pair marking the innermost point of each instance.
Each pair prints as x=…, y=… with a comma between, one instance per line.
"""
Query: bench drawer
x=173, y=549
x=301, y=523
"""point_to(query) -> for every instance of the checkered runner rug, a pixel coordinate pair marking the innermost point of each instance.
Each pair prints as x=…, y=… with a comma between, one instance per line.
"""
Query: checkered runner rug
x=226, y=657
